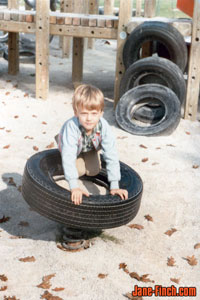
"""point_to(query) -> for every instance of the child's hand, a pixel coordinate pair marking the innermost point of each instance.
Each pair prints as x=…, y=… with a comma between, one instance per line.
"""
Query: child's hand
x=122, y=193
x=76, y=195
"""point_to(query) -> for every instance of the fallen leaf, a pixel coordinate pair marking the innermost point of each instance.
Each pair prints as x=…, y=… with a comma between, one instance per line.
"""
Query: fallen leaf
x=195, y=166
x=144, y=278
x=197, y=246
x=129, y=296
x=4, y=219
x=149, y=218
x=45, y=284
x=7, y=93
x=26, y=95
x=28, y=137
x=176, y=280
x=171, y=262
x=11, y=181
x=49, y=296
x=8, y=130
x=50, y=146
x=143, y=146
x=6, y=147
x=3, y=288
x=158, y=148
x=3, y=277
x=136, y=226
x=16, y=117
x=145, y=159
x=192, y=261
x=34, y=116
x=170, y=145
x=187, y=132
x=107, y=42
x=100, y=275
x=171, y=231
x=10, y=298
x=15, y=86
x=35, y=148
x=155, y=163
x=27, y=259
x=122, y=266
x=19, y=188
x=134, y=275
x=58, y=289
x=44, y=123
x=2, y=128
x=23, y=223
x=44, y=132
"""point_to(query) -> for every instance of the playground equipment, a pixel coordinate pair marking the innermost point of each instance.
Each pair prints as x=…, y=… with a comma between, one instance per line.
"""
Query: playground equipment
x=80, y=25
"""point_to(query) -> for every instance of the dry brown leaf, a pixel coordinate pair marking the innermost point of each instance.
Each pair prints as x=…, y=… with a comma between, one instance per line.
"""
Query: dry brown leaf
x=35, y=148
x=50, y=146
x=149, y=218
x=10, y=181
x=28, y=137
x=6, y=147
x=45, y=284
x=15, y=86
x=136, y=226
x=58, y=289
x=8, y=130
x=171, y=261
x=143, y=146
x=155, y=163
x=44, y=132
x=49, y=296
x=195, y=166
x=2, y=128
x=44, y=123
x=158, y=148
x=27, y=259
x=3, y=288
x=129, y=296
x=10, y=298
x=192, y=261
x=122, y=266
x=3, y=277
x=197, y=246
x=4, y=219
x=26, y=95
x=100, y=275
x=7, y=93
x=144, y=278
x=24, y=223
x=176, y=280
x=170, y=145
x=134, y=275
x=145, y=159
x=187, y=132
x=16, y=117
x=170, y=231
x=34, y=116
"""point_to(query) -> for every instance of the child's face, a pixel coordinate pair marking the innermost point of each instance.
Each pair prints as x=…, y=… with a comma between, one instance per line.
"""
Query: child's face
x=88, y=118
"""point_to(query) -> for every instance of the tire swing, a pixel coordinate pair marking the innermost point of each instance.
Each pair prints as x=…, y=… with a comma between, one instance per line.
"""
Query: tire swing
x=142, y=95
x=155, y=32
x=41, y=192
x=153, y=70
x=26, y=56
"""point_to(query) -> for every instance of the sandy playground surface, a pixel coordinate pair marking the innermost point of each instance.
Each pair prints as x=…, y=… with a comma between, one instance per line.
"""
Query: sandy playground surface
x=164, y=244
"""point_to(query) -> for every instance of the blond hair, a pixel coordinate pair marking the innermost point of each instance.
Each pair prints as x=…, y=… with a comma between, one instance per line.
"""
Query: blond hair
x=89, y=97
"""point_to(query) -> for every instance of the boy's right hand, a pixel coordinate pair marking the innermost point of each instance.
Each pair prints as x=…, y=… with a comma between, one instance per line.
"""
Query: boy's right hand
x=76, y=195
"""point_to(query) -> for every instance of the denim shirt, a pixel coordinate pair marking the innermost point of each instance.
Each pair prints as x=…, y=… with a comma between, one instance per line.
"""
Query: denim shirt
x=70, y=146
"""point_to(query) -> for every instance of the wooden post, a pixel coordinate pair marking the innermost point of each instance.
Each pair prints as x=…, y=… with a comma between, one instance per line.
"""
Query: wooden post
x=42, y=48
x=78, y=49
x=138, y=11
x=125, y=12
x=149, y=12
x=93, y=9
x=13, y=44
x=67, y=6
x=108, y=7
x=192, y=97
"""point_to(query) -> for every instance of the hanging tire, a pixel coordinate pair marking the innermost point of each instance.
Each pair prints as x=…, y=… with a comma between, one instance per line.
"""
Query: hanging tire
x=3, y=36
x=26, y=56
x=142, y=95
x=160, y=32
x=153, y=70
x=96, y=212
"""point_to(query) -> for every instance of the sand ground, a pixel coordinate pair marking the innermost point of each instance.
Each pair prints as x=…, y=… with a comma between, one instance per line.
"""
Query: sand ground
x=169, y=167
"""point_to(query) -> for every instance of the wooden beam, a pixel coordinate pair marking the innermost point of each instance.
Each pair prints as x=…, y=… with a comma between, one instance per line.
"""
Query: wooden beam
x=78, y=47
x=192, y=97
x=125, y=12
x=42, y=48
x=149, y=8
x=13, y=44
x=108, y=7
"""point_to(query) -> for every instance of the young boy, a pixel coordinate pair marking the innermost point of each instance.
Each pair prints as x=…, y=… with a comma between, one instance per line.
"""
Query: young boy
x=80, y=140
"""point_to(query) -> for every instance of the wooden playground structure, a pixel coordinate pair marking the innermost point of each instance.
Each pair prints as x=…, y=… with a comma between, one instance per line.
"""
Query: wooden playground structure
x=79, y=19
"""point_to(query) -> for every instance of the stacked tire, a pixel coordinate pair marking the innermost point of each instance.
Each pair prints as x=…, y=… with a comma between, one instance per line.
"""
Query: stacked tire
x=153, y=89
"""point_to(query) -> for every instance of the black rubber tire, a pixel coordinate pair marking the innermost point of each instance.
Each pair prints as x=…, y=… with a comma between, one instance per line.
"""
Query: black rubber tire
x=142, y=95
x=161, y=32
x=4, y=37
x=96, y=212
x=26, y=56
x=153, y=70
x=32, y=4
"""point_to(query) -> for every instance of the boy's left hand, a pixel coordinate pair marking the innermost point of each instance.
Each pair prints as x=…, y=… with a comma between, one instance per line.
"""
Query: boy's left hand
x=122, y=193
